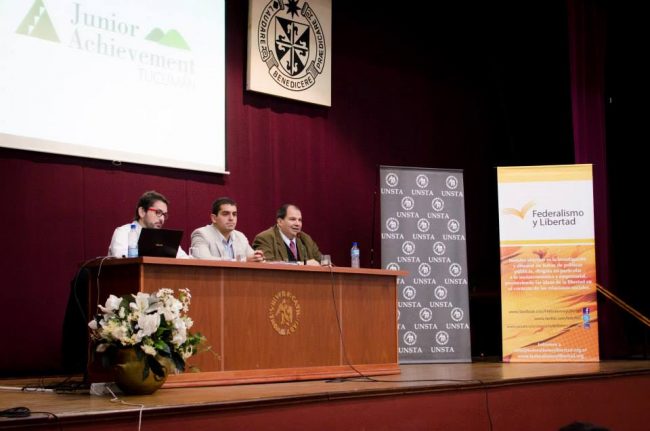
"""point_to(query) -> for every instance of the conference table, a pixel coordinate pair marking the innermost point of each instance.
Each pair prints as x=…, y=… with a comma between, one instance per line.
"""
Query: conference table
x=269, y=322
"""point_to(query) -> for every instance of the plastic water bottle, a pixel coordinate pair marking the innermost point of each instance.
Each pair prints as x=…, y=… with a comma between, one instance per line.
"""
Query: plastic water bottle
x=133, y=241
x=586, y=318
x=355, y=255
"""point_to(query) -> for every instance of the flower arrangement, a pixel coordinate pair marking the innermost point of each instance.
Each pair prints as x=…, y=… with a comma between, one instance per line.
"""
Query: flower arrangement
x=155, y=324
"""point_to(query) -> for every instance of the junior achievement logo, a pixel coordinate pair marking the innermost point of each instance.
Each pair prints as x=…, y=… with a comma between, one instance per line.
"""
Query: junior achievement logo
x=97, y=31
x=37, y=23
x=170, y=38
x=291, y=43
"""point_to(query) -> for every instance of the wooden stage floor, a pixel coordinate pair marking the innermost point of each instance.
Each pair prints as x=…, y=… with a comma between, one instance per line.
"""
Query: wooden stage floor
x=478, y=396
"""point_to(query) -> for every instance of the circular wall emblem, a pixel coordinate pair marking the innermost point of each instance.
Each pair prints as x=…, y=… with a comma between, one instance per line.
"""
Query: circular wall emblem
x=455, y=269
x=457, y=314
x=440, y=292
x=439, y=248
x=410, y=338
x=437, y=204
x=426, y=314
x=408, y=203
x=392, y=224
x=409, y=292
x=392, y=266
x=423, y=225
x=422, y=181
x=424, y=269
x=392, y=179
x=291, y=43
x=442, y=338
x=452, y=182
x=284, y=313
x=408, y=247
x=453, y=226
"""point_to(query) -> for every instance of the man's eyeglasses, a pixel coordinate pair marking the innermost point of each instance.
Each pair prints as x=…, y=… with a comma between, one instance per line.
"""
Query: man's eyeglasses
x=159, y=213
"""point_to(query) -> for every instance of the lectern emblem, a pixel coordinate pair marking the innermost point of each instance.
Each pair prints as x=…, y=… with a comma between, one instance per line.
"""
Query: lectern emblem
x=284, y=313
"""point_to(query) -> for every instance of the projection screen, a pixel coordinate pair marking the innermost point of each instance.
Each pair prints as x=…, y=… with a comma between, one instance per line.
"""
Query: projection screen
x=122, y=80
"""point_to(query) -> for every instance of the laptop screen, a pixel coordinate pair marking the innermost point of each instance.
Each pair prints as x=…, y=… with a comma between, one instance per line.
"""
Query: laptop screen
x=159, y=242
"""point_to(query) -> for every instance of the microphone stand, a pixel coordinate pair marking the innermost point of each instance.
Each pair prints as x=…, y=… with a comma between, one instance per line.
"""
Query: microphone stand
x=372, y=230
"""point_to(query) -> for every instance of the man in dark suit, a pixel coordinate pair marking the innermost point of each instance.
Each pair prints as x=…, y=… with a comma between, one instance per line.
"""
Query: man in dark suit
x=286, y=241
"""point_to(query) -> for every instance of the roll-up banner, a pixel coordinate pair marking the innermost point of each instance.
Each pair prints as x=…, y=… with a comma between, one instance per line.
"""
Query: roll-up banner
x=423, y=232
x=548, y=264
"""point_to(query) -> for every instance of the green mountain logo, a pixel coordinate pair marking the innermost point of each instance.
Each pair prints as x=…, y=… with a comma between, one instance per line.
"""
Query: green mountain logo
x=37, y=23
x=172, y=39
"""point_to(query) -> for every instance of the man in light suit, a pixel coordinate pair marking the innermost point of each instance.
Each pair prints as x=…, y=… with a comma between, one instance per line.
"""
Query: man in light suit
x=220, y=240
x=286, y=241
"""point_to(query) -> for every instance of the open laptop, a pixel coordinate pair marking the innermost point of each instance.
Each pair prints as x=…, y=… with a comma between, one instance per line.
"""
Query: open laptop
x=159, y=242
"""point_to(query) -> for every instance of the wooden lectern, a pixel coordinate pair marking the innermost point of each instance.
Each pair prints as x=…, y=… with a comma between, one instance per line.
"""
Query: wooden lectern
x=270, y=322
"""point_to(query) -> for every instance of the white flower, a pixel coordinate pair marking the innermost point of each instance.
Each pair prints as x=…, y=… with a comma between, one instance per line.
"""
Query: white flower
x=172, y=309
x=141, y=303
x=185, y=295
x=148, y=324
x=141, y=323
x=179, y=332
x=187, y=352
x=149, y=350
x=118, y=331
x=112, y=304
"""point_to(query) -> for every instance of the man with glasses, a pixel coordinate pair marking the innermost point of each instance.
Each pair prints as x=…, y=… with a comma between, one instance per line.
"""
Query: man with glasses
x=150, y=212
